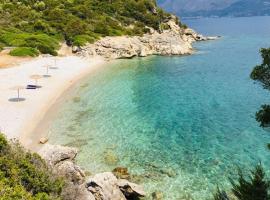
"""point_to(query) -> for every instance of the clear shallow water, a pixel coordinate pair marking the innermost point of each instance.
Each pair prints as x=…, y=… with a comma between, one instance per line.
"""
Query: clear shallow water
x=181, y=125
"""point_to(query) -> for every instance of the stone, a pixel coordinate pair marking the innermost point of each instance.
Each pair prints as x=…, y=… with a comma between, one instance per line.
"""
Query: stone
x=76, y=192
x=104, y=187
x=130, y=190
x=70, y=171
x=121, y=172
x=43, y=140
x=169, y=172
x=157, y=195
x=54, y=154
x=110, y=158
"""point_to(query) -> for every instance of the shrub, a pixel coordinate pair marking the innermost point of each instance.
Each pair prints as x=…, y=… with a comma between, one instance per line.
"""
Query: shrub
x=24, y=51
x=253, y=188
x=263, y=115
x=24, y=175
x=81, y=40
x=220, y=195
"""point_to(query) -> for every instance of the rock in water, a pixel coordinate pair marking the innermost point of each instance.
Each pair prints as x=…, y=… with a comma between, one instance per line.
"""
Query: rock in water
x=121, y=172
x=130, y=190
x=157, y=195
x=104, y=187
x=43, y=140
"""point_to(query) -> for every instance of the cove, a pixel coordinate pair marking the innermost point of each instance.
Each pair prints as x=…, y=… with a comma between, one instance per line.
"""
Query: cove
x=181, y=125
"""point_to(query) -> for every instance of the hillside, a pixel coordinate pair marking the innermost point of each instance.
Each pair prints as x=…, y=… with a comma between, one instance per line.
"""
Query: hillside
x=208, y=8
x=41, y=25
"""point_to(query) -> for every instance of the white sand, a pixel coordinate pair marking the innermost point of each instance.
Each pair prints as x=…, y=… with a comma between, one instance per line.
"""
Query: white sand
x=18, y=119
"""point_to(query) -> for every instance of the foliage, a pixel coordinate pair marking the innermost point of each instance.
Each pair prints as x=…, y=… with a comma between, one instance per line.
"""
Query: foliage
x=24, y=51
x=43, y=24
x=262, y=72
x=220, y=195
x=44, y=43
x=24, y=175
x=263, y=115
x=253, y=187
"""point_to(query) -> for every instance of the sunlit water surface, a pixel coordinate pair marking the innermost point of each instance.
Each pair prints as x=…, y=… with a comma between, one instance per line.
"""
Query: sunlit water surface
x=181, y=125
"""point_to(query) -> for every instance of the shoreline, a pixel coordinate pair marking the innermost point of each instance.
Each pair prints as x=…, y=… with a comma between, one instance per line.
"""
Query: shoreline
x=20, y=119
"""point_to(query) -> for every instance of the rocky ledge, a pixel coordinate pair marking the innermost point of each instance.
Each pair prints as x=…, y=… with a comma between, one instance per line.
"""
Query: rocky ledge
x=103, y=186
x=172, y=41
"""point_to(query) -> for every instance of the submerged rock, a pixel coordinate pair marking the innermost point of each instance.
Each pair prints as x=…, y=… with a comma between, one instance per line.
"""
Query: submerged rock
x=157, y=195
x=110, y=158
x=121, y=172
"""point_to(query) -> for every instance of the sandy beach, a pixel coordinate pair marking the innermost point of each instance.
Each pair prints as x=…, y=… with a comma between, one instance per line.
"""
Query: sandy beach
x=19, y=119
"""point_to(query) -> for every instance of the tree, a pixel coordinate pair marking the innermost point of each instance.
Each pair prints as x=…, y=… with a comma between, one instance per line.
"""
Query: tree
x=262, y=73
x=253, y=187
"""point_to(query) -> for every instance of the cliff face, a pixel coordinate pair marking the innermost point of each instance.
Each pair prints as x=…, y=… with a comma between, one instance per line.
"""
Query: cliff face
x=172, y=41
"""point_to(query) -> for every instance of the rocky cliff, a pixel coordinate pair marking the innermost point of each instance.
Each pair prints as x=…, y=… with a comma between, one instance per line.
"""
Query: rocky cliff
x=171, y=40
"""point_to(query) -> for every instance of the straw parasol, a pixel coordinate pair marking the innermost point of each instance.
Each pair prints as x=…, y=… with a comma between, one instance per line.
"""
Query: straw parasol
x=55, y=64
x=18, y=88
x=36, y=77
x=47, y=71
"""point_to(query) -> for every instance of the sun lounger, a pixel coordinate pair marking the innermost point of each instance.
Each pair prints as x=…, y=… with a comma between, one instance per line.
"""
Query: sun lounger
x=31, y=87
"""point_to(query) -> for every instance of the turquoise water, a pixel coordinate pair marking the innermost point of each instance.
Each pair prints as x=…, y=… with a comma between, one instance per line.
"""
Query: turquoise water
x=181, y=125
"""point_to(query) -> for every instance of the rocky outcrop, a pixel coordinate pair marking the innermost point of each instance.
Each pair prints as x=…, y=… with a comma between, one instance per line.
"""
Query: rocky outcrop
x=173, y=41
x=130, y=190
x=103, y=186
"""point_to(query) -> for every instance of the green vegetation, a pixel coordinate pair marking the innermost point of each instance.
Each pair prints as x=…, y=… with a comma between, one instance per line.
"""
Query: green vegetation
x=24, y=175
x=263, y=115
x=24, y=51
x=44, y=24
x=261, y=73
x=254, y=187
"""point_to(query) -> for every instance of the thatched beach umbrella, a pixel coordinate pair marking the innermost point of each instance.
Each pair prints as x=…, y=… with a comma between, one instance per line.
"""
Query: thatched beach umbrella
x=36, y=77
x=47, y=71
x=54, y=66
x=18, y=88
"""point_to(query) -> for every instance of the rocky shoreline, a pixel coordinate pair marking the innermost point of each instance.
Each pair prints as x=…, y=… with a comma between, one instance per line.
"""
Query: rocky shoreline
x=79, y=186
x=175, y=40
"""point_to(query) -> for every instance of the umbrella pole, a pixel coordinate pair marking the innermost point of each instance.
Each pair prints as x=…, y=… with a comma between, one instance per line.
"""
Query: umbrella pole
x=36, y=82
x=18, y=92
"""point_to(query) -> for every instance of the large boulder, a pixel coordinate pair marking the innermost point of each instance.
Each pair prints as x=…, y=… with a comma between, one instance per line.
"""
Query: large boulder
x=76, y=192
x=130, y=190
x=54, y=154
x=61, y=160
x=104, y=187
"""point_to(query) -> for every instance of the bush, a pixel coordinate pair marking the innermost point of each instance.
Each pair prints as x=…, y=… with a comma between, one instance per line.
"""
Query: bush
x=220, y=195
x=254, y=187
x=263, y=115
x=81, y=40
x=24, y=51
x=24, y=175
x=44, y=43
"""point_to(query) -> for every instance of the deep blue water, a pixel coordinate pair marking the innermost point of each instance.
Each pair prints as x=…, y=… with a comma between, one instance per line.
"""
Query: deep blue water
x=181, y=125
